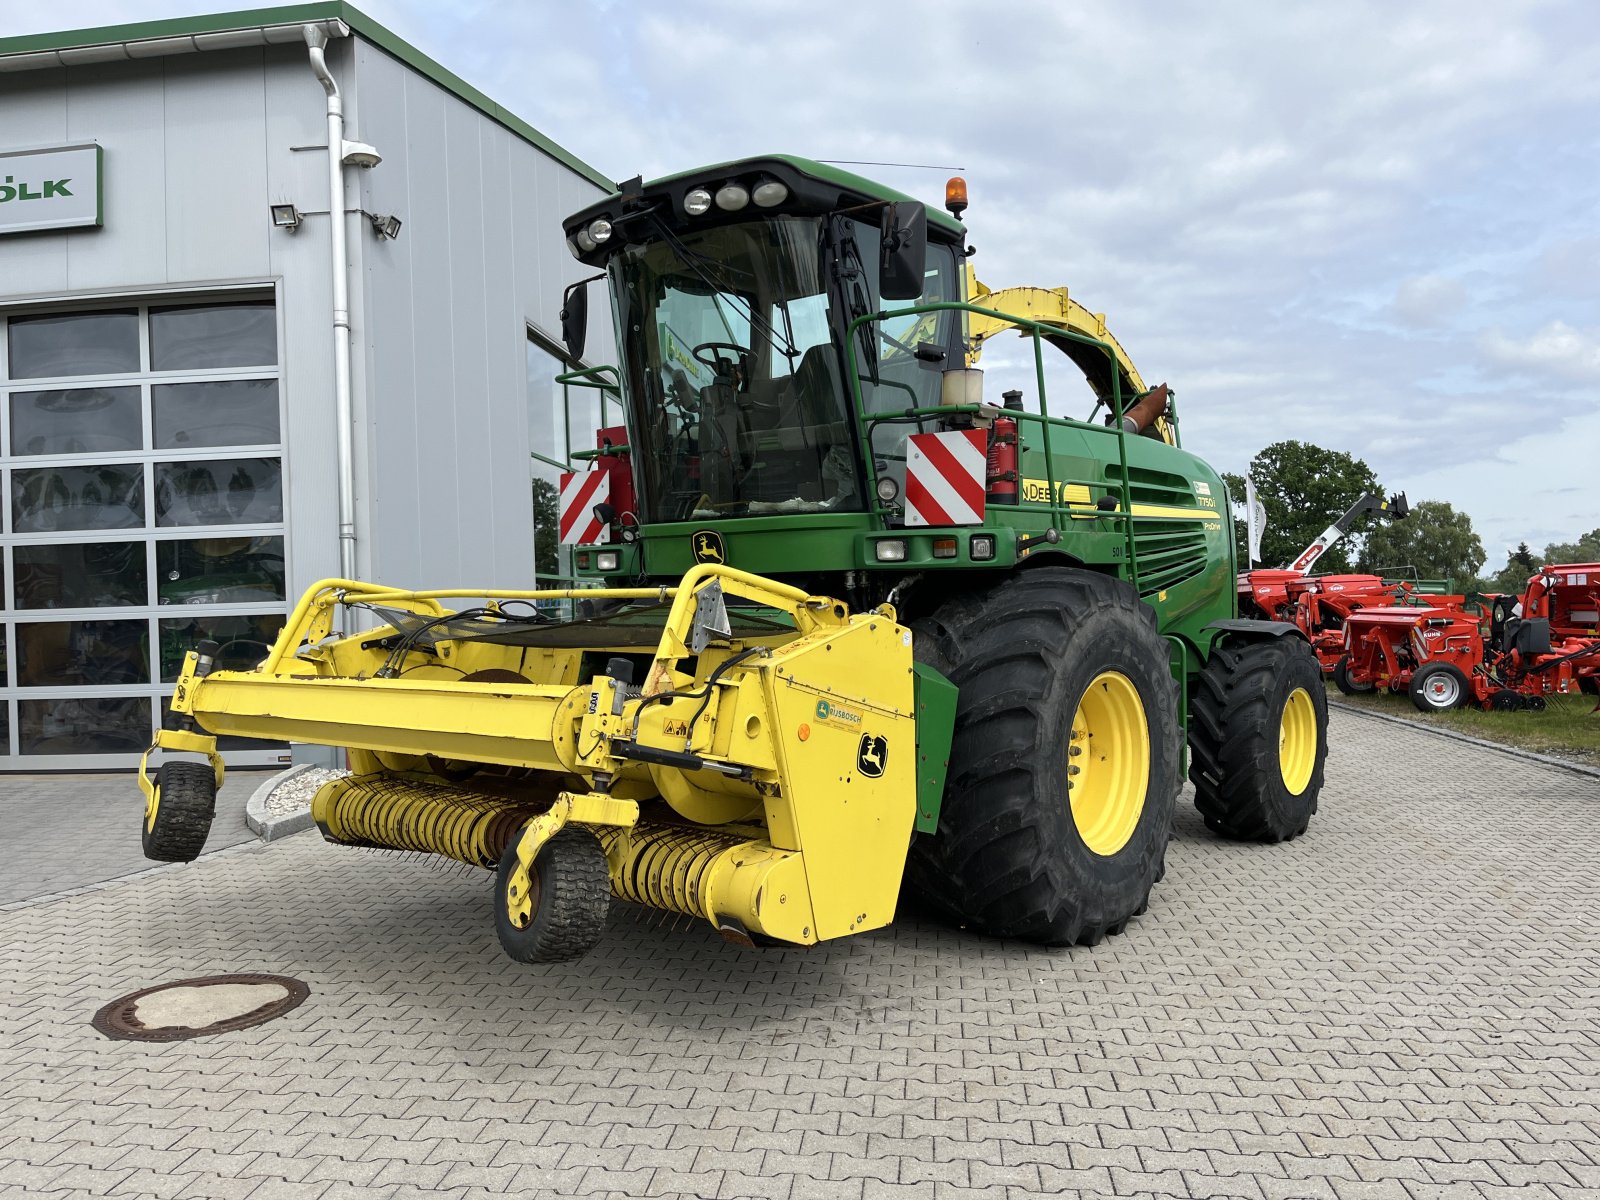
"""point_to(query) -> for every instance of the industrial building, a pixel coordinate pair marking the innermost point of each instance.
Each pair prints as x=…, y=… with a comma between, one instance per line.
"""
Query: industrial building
x=214, y=393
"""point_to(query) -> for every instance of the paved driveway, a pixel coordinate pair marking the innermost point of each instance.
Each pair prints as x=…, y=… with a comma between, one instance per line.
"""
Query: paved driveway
x=1403, y=1004
x=59, y=832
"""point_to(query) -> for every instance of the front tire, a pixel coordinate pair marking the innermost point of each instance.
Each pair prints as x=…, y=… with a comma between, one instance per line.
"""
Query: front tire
x=1064, y=766
x=571, y=899
x=1439, y=687
x=1258, y=739
x=177, y=819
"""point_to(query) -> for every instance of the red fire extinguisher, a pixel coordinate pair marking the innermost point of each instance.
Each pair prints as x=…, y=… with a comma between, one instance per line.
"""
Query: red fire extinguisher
x=1002, y=473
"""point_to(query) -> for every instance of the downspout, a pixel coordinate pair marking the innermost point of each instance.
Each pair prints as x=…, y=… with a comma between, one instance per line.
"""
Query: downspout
x=316, y=39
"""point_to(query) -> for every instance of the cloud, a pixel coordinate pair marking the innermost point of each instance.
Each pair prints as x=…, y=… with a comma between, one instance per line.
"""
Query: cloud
x=1428, y=301
x=1557, y=350
x=1353, y=224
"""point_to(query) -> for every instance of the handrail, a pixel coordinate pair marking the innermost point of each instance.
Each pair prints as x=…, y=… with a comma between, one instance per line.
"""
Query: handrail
x=589, y=377
x=1038, y=330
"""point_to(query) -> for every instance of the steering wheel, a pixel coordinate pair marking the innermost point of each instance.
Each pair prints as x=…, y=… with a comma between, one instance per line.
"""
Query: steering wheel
x=715, y=362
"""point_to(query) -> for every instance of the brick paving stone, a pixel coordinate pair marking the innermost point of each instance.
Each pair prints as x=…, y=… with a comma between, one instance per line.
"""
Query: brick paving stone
x=1400, y=1004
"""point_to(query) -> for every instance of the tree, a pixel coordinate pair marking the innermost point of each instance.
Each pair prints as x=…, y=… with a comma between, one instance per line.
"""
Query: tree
x=1435, y=539
x=1304, y=489
x=546, y=530
x=1521, y=563
x=1585, y=550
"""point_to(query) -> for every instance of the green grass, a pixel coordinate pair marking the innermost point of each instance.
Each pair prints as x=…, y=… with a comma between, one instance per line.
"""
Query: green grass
x=1568, y=728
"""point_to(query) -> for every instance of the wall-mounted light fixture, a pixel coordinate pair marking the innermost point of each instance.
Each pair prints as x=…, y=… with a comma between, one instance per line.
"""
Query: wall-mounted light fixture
x=359, y=154
x=387, y=227
x=286, y=216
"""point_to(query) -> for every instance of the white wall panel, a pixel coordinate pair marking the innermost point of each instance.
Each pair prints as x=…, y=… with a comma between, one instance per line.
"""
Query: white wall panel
x=125, y=112
x=480, y=255
x=216, y=176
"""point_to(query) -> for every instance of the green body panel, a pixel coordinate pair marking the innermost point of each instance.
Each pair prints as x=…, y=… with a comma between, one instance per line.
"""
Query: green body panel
x=936, y=726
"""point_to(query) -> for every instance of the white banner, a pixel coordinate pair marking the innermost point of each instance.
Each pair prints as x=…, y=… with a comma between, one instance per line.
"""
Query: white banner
x=1255, y=516
x=57, y=188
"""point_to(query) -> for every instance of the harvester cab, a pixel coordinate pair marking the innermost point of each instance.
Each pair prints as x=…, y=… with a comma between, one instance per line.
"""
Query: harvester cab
x=842, y=601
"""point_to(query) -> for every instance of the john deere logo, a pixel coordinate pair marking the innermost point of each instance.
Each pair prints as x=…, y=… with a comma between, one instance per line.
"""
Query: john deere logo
x=708, y=547
x=822, y=710
x=872, y=755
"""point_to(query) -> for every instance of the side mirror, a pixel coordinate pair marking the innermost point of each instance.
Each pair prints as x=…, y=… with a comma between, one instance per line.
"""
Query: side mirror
x=575, y=318
x=904, y=260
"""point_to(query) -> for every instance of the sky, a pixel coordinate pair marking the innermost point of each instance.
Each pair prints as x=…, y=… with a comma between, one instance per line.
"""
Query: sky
x=1369, y=226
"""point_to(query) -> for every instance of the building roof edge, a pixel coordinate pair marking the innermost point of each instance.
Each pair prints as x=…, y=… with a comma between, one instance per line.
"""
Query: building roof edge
x=170, y=33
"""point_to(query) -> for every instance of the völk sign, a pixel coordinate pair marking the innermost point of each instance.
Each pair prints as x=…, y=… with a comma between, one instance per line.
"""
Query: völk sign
x=58, y=188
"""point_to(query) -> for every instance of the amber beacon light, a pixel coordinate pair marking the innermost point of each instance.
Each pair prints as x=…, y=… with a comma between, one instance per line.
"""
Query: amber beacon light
x=955, y=196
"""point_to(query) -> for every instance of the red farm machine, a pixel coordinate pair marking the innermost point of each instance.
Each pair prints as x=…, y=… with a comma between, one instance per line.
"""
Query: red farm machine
x=1510, y=653
x=1319, y=604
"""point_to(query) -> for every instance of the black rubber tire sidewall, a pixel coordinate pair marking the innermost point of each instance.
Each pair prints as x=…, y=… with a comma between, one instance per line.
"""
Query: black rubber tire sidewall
x=1342, y=680
x=574, y=899
x=1419, y=681
x=1235, y=720
x=1007, y=858
x=184, y=815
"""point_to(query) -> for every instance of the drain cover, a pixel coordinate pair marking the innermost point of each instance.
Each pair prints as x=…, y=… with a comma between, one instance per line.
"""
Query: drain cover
x=189, y=1008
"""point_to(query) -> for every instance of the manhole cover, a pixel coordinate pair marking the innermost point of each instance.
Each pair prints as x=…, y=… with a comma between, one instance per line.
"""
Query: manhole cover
x=192, y=1008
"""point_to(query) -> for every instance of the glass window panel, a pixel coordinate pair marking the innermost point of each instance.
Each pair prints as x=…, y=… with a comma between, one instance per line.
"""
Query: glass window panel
x=93, y=725
x=244, y=641
x=223, y=412
x=76, y=421
x=80, y=575
x=225, y=741
x=230, y=491
x=82, y=653
x=99, y=343
x=547, y=422
x=88, y=497
x=197, y=336
x=237, y=570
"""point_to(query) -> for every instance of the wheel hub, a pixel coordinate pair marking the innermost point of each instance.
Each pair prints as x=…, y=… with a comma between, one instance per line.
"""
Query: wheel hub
x=1108, y=762
x=1297, y=741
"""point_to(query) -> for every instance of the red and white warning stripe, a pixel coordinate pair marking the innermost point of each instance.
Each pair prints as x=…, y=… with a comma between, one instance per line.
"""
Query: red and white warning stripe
x=945, y=475
x=580, y=492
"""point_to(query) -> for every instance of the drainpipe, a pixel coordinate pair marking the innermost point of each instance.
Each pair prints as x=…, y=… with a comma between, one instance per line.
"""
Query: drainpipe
x=316, y=39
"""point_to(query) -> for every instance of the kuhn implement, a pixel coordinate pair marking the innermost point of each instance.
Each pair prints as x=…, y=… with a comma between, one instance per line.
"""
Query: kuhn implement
x=1511, y=654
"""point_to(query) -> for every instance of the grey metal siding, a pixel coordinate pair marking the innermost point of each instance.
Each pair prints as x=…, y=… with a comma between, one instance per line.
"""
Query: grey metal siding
x=445, y=313
x=196, y=148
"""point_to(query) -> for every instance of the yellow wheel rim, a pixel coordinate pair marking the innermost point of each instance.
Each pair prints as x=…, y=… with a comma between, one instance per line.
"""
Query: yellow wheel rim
x=1297, y=741
x=1108, y=762
x=151, y=807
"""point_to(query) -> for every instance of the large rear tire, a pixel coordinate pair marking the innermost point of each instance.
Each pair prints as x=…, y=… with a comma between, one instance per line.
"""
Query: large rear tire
x=1258, y=739
x=1064, y=764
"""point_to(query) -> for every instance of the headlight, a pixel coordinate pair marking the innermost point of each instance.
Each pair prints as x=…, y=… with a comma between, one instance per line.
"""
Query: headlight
x=572, y=245
x=697, y=202
x=981, y=547
x=600, y=230
x=585, y=242
x=890, y=550
x=731, y=197
x=888, y=489
x=607, y=560
x=770, y=193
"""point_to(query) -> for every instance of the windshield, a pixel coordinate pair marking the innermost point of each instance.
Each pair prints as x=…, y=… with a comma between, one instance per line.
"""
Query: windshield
x=729, y=344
